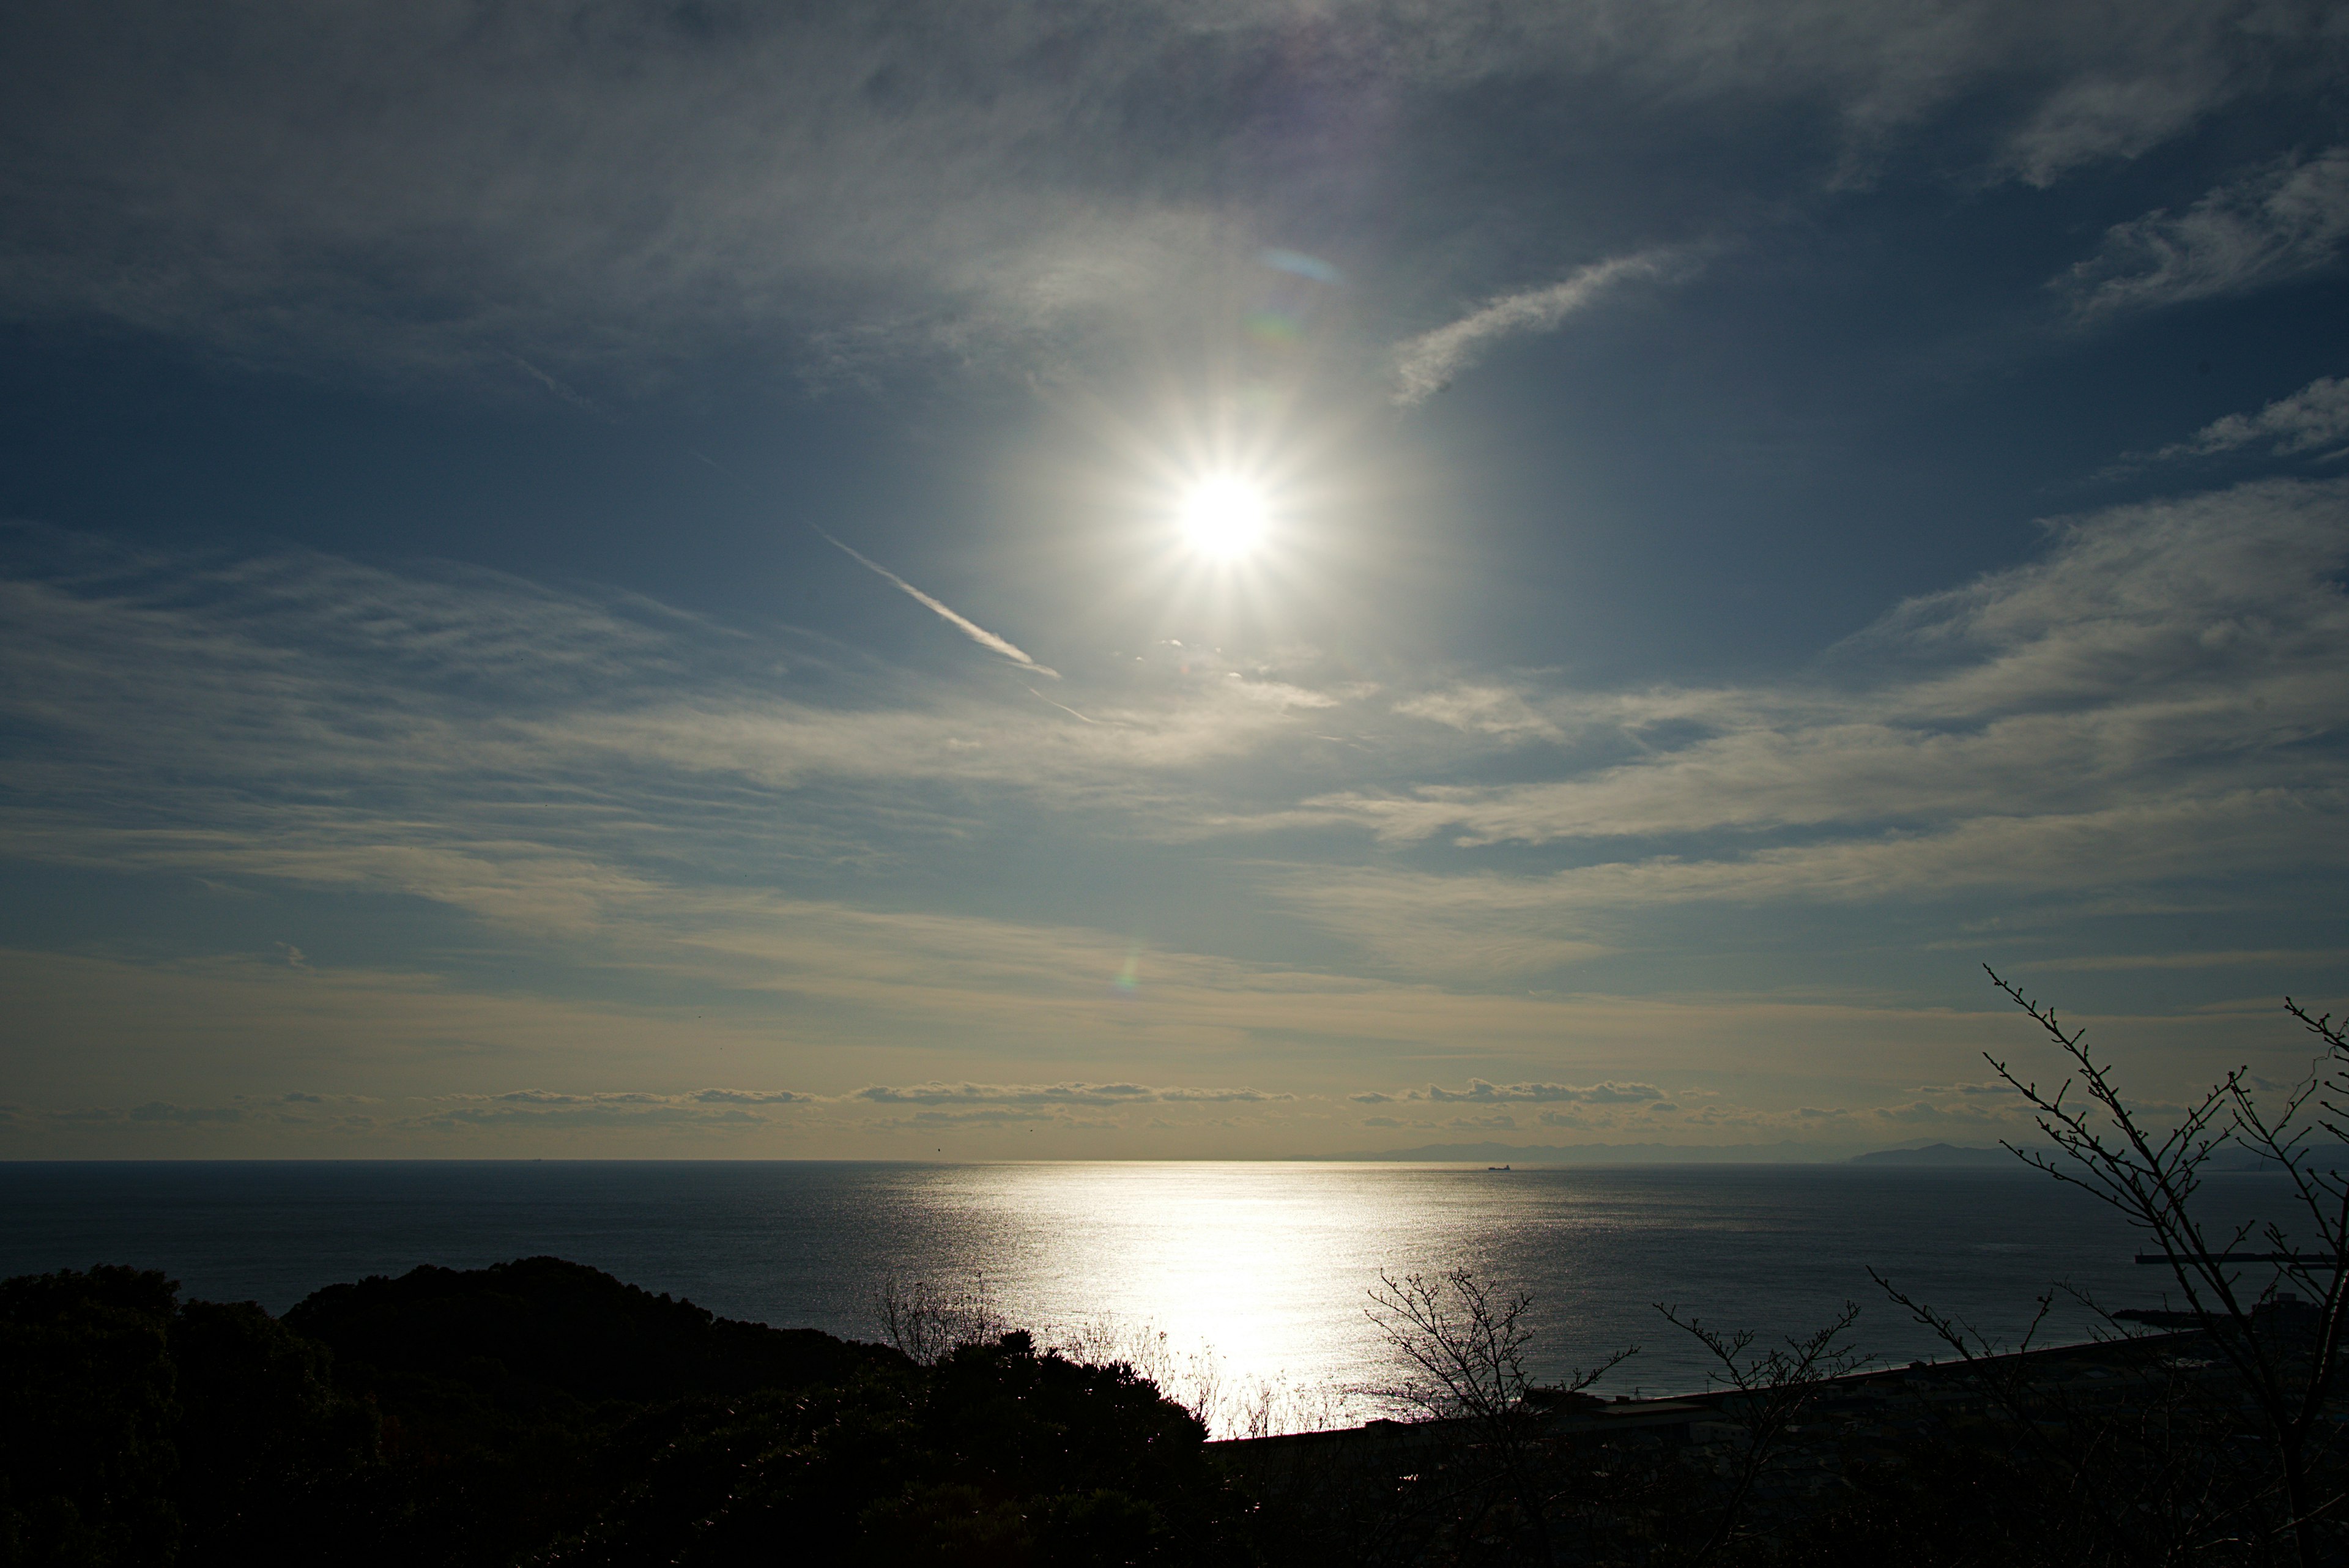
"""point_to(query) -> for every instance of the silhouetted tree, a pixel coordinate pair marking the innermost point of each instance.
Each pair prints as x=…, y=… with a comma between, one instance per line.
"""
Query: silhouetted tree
x=997, y=1454
x=87, y=1419
x=1770, y=1386
x=2243, y=1463
x=136, y=1428
x=926, y=1323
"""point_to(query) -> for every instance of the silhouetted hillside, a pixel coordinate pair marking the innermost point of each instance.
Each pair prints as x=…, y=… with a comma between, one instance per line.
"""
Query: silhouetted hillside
x=542, y=1414
x=1944, y=1154
x=540, y=1328
x=136, y=1428
x=540, y=1411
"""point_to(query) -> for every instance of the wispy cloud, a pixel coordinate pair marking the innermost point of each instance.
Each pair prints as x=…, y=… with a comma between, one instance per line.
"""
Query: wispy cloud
x=1070, y=1094
x=961, y=623
x=1425, y=365
x=1478, y=1091
x=597, y=189
x=2266, y=958
x=749, y=1098
x=599, y=797
x=2129, y=104
x=2315, y=416
x=1483, y=710
x=2273, y=225
x=2156, y=698
x=2158, y=649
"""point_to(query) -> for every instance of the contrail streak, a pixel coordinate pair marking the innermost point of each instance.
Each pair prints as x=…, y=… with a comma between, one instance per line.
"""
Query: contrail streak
x=1063, y=707
x=963, y=624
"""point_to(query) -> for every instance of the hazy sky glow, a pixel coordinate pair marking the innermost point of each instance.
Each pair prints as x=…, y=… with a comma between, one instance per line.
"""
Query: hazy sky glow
x=604, y=579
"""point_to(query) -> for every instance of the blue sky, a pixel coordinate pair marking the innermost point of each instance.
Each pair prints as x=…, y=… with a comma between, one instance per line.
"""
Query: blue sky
x=610, y=578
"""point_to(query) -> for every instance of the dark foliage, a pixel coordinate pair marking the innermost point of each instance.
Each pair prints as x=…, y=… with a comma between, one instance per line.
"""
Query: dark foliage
x=541, y=1411
x=498, y=1388
x=87, y=1419
x=544, y=1332
x=136, y=1428
x=996, y=1455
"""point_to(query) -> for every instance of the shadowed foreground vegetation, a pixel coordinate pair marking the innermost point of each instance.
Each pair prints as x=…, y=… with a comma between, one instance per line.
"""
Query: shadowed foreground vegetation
x=542, y=1413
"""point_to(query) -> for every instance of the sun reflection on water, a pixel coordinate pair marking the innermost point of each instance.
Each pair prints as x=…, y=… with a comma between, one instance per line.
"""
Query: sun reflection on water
x=1260, y=1271
x=1263, y=1268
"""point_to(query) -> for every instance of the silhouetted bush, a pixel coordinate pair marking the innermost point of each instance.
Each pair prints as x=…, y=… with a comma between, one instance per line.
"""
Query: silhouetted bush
x=998, y=1454
x=88, y=1412
x=542, y=1411
x=138, y=1429
x=541, y=1330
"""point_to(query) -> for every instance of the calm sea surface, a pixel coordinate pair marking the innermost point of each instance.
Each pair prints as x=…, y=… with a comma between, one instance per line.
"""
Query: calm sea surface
x=1255, y=1274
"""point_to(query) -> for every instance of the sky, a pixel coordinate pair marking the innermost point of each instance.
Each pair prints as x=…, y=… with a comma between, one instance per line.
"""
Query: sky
x=1236, y=579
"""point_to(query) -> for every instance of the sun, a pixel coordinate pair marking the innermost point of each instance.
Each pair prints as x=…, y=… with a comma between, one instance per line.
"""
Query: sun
x=1223, y=516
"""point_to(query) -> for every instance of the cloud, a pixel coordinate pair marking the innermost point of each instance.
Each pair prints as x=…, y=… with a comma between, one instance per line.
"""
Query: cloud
x=264, y=691
x=151, y=1114
x=2158, y=663
x=578, y=192
x=2119, y=113
x=1925, y=1111
x=1996, y=1088
x=1425, y=365
x=1478, y=1090
x=2315, y=416
x=1483, y=710
x=588, y=183
x=2276, y=223
x=749, y=1098
x=1071, y=1094
x=2261, y=958
x=185, y=1116
x=592, y=1114
x=631, y=813
x=991, y=1115
x=2155, y=699
x=1460, y=927
x=557, y=1097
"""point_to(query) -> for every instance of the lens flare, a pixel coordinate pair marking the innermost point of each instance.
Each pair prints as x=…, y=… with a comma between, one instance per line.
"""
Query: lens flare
x=1223, y=516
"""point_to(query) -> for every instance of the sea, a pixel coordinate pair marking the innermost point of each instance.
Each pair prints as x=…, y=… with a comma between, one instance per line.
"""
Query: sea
x=1247, y=1289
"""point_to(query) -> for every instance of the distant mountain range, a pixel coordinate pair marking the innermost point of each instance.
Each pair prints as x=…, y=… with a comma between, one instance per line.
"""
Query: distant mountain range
x=1943, y=1156
x=2323, y=1157
x=1938, y=1154
x=1592, y=1154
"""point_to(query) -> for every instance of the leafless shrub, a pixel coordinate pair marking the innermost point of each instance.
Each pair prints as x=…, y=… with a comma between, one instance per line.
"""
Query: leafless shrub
x=1771, y=1387
x=1271, y=1406
x=1465, y=1343
x=2191, y=1486
x=2136, y=1468
x=1196, y=1379
x=927, y=1322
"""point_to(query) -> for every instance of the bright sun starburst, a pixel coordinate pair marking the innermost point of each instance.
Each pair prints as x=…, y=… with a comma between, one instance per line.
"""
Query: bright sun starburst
x=1223, y=516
